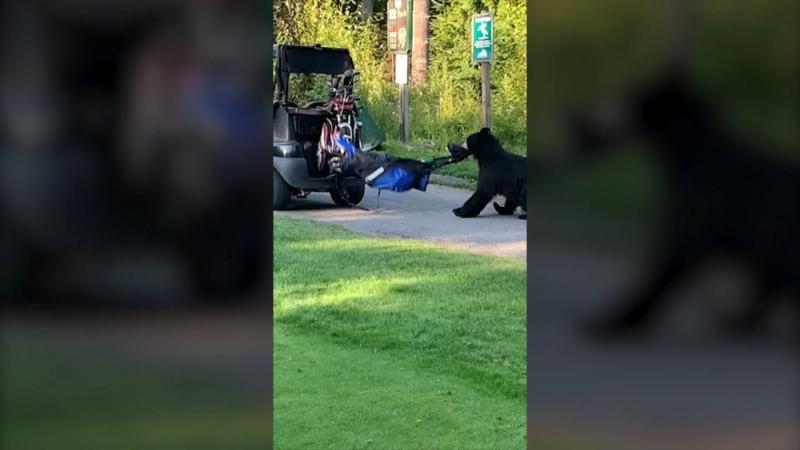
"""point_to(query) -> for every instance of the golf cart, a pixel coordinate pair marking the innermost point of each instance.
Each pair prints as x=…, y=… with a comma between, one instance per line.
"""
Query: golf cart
x=309, y=139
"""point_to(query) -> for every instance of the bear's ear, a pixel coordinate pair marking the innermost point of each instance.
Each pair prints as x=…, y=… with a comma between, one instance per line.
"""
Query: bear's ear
x=485, y=131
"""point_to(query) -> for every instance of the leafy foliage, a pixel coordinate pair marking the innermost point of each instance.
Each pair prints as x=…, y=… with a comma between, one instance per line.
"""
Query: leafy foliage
x=447, y=108
x=744, y=54
x=453, y=91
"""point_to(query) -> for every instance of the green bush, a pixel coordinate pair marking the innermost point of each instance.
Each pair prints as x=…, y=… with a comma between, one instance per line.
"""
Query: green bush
x=745, y=54
x=452, y=95
x=447, y=108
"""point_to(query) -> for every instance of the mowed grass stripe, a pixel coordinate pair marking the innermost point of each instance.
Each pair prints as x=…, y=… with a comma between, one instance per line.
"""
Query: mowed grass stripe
x=446, y=311
x=329, y=396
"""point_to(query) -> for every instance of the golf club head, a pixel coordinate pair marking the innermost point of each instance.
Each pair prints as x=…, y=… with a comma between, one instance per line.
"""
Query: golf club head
x=458, y=152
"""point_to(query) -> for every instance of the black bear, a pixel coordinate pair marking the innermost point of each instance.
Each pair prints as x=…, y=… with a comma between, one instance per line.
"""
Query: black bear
x=725, y=197
x=500, y=175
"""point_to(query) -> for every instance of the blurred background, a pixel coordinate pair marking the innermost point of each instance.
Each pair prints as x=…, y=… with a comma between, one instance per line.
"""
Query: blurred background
x=134, y=224
x=662, y=233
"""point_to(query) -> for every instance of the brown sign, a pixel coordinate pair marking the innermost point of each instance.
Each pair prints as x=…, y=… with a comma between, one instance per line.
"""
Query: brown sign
x=397, y=25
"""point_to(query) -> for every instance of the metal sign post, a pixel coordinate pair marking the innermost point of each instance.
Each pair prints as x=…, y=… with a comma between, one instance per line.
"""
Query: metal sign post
x=398, y=26
x=486, y=96
x=483, y=54
x=401, y=78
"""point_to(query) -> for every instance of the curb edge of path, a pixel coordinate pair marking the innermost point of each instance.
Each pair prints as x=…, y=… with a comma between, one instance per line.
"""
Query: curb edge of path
x=446, y=180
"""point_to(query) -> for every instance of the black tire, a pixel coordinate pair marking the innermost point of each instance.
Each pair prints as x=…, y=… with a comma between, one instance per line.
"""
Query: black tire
x=281, y=195
x=354, y=193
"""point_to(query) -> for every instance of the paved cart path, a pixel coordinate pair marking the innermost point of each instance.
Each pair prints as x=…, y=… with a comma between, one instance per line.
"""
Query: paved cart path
x=422, y=215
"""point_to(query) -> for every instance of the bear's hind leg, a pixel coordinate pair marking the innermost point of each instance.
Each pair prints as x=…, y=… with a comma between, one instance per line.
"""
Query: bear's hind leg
x=474, y=205
x=523, y=202
x=505, y=210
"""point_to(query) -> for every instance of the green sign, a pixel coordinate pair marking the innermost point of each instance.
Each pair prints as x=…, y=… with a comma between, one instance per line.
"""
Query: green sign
x=482, y=38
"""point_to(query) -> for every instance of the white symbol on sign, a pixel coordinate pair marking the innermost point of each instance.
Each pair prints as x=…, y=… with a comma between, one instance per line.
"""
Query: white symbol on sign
x=483, y=54
x=483, y=30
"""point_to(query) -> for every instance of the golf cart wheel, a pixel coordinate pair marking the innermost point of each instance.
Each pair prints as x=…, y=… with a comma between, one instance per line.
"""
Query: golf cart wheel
x=281, y=195
x=354, y=193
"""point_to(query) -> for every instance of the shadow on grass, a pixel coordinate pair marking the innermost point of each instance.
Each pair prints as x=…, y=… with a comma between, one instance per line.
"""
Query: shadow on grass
x=443, y=310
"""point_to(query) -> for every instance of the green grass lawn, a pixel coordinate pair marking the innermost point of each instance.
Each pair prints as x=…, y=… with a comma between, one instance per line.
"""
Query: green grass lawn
x=56, y=399
x=395, y=344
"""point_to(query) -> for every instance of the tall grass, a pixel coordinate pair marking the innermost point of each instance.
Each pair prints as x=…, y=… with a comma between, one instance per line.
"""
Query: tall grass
x=452, y=94
x=447, y=107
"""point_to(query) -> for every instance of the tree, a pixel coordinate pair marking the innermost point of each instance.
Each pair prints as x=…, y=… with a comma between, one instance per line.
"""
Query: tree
x=419, y=48
x=367, y=9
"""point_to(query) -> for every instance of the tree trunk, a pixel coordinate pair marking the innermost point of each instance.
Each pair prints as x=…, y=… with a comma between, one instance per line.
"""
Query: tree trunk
x=681, y=32
x=419, y=49
x=367, y=9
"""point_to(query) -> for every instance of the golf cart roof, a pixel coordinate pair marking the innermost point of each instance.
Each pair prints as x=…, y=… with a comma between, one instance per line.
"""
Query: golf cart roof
x=307, y=60
x=312, y=59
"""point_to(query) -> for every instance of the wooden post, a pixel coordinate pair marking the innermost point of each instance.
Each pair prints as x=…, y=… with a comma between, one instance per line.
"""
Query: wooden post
x=419, y=47
x=405, y=119
x=398, y=27
x=681, y=31
x=486, y=95
x=367, y=9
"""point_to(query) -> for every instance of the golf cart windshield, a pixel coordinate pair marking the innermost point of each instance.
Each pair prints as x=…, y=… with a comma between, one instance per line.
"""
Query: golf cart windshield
x=308, y=60
x=325, y=61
